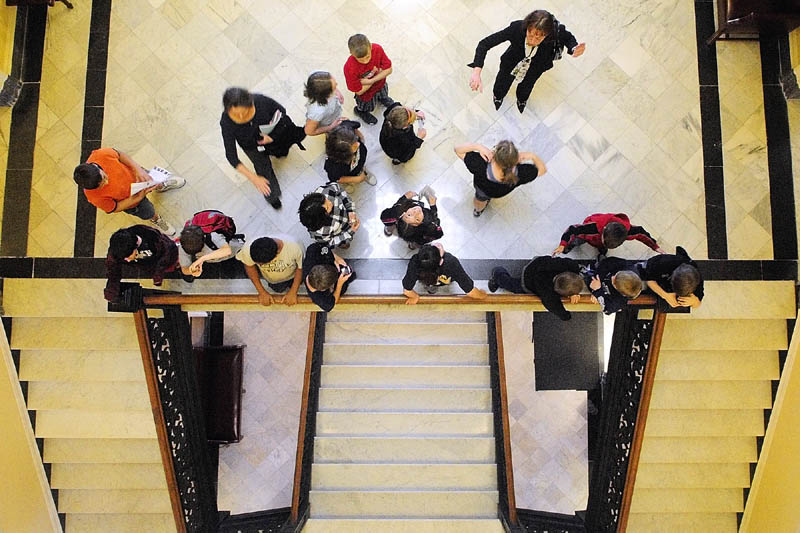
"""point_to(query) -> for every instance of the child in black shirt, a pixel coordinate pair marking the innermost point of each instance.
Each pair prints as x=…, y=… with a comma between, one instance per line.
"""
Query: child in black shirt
x=416, y=224
x=434, y=267
x=347, y=155
x=675, y=278
x=612, y=284
x=327, y=275
x=397, y=138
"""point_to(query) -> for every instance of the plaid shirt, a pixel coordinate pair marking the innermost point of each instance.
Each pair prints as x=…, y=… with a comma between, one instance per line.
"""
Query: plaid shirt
x=339, y=230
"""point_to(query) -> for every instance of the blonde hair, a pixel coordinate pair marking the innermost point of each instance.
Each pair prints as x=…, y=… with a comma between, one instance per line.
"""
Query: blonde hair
x=628, y=283
x=507, y=156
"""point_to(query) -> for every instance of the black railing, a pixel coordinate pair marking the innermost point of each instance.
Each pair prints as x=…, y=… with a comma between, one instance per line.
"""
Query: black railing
x=176, y=380
x=630, y=348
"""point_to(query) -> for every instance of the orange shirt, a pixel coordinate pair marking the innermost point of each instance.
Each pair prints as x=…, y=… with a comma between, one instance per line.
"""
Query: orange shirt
x=120, y=178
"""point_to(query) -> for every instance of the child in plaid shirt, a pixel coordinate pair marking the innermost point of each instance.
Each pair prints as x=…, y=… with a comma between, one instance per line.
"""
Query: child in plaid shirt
x=329, y=216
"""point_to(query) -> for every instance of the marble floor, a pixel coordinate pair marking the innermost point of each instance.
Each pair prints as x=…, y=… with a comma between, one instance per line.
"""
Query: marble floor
x=257, y=473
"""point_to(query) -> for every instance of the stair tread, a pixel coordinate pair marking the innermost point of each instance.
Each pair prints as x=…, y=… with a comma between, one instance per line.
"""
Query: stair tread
x=693, y=475
x=96, y=450
x=94, y=396
x=73, y=333
x=34, y=297
x=707, y=394
x=686, y=500
x=75, y=423
x=107, y=476
x=406, y=332
x=745, y=299
x=717, y=365
x=74, y=365
x=392, y=313
x=115, y=501
x=704, y=422
x=120, y=523
x=403, y=476
x=380, y=449
x=698, y=450
x=403, y=525
x=729, y=334
x=639, y=522
x=394, y=423
x=405, y=399
x=418, y=376
x=405, y=504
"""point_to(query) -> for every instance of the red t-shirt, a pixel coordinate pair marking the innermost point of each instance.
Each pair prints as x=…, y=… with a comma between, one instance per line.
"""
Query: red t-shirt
x=119, y=183
x=354, y=71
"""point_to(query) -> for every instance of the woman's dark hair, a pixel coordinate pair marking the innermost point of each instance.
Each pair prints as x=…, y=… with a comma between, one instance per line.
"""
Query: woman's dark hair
x=339, y=142
x=541, y=20
x=685, y=280
x=429, y=259
x=323, y=277
x=192, y=239
x=312, y=211
x=506, y=156
x=396, y=120
x=319, y=87
x=263, y=250
x=87, y=175
x=236, y=97
x=122, y=243
x=614, y=234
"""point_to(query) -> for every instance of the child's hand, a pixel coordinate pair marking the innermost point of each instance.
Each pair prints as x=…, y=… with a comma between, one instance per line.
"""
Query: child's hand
x=412, y=300
x=593, y=300
x=558, y=250
x=575, y=298
x=339, y=96
x=595, y=284
x=420, y=114
x=486, y=154
x=671, y=299
x=689, y=301
x=422, y=133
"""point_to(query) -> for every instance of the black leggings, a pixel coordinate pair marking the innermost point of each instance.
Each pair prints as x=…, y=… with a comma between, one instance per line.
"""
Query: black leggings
x=504, y=79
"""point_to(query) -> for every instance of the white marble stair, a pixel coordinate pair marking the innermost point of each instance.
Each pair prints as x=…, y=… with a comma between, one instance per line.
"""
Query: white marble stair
x=712, y=385
x=86, y=384
x=404, y=432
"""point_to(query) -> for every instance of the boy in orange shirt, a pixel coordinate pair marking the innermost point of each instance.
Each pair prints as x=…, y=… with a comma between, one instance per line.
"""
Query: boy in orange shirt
x=106, y=179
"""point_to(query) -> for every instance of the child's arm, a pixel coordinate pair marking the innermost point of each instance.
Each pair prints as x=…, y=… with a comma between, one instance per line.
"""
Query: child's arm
x=669, y=297
x=541, y=168
x=462, y=150
x=354, y=179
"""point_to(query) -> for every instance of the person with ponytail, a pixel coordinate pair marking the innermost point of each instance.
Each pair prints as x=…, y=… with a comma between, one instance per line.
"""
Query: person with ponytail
x=398, y=139
x=498, y=171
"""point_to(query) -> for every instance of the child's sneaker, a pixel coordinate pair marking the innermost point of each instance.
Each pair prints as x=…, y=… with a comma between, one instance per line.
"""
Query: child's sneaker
x=175, y=182
x=164, y=226
x=370, y=179
x=369, y=118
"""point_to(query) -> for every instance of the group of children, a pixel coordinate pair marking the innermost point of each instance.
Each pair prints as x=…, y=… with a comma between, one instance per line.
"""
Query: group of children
x=261, y=127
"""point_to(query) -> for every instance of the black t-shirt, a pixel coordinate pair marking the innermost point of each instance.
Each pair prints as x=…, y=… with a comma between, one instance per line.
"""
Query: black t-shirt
x=526, y=173
x=660, y=267
x=400, y=144
x=337, y=170
x=146, y=253
x=322, y=254
x=537, y=277
x=450, y=268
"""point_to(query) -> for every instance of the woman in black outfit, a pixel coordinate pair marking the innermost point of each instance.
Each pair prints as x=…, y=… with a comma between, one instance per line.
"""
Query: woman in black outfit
x=499, y=171
x=535, y=43
x=262, y=128
x=397, y=138
x=435, y=267
x=416, y=224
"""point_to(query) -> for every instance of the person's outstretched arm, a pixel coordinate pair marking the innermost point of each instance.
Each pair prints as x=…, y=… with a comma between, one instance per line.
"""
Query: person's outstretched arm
x=484, y=45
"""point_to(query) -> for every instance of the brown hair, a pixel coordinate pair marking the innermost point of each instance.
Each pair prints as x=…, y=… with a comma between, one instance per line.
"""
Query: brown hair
x=541, y=20
x=568, y=283
x=614, y=234
x=323, y=277
x=359, y=45
x=507, y=157
x=685, y=279
x=319, y=87
x=628, y=283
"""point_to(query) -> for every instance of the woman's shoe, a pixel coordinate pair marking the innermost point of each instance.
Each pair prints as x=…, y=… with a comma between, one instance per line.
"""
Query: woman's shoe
x=498, y=102
x=521, y=106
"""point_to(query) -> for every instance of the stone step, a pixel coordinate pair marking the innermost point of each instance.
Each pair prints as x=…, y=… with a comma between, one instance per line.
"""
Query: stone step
x=399, y=525
x=745, y=299
x=403, y=504
x=120, y=523
x=687, y=500
x=423, y=400
x=115, y=501
x=34, y=297
x=698, y=450
x=404, y=450
x=710, y=334
x=74, y=334
x=102, y=450
x=75, y=365
x=717, y=365
x=406, y=333
x=403, y=476
x=704, y=422
x=406, y=354
x=682, y=522
x=711, y=395
x=95, y=396
x=107, y=476
x=410, y=423
x=392, y=377
x=80, y=424
x=692, y=475
x=402, y=313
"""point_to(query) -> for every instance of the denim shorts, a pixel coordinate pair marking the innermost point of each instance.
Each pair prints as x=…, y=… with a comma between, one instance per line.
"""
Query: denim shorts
x=144, y=210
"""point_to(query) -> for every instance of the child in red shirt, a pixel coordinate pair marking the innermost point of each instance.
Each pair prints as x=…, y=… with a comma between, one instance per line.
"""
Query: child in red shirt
x=365, y=73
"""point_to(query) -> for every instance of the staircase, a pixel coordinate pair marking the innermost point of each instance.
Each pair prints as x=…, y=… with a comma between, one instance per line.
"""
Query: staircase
x=404, y=437
x=87, y=388
x=712, y=385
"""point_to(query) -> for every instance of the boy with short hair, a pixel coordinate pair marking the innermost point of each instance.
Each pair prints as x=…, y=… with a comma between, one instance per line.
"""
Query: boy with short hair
x=675, y=278
x=327, y=275
x=199, y=243
x=550, y=278
x=149, y=249
x=604, y=231
x=279, y=260
x=612, y=284
x=365, y=73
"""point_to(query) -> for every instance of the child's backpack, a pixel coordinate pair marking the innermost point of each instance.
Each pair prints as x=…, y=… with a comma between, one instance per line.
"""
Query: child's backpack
x=212, y=221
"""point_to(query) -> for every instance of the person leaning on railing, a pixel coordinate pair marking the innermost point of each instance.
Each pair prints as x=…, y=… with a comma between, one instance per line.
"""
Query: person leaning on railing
x=434, y=267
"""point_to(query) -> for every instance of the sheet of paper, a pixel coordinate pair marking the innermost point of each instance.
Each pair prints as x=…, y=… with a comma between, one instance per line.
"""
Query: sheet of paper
x=157, y=175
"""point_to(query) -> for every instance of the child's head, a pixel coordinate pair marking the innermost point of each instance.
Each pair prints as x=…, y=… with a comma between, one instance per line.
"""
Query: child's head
x=341, y=143
x=263, y=250
x=314, y=211
x=360, y=48
x=506, y=156
x=192, y=239
x=568, y=283
x=319, y=87
x=323, y=277
x=88, y=175
x=628, y=283
x=430, y=257
x=685, y=280
x=398, y=117
x=614, y=234
x=122, y=244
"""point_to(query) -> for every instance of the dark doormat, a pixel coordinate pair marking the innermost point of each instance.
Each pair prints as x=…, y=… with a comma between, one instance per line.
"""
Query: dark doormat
x=566, y=355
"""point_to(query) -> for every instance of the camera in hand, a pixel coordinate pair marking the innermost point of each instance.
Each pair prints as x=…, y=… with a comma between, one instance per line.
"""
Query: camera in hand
x=344, y=270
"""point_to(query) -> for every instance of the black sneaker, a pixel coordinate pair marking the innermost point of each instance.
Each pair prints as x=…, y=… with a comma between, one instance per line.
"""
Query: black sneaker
x=493, y=279
x=521, y=106
x=369, y=118
x=276, y=203
x=396, y=161
x=498, y=102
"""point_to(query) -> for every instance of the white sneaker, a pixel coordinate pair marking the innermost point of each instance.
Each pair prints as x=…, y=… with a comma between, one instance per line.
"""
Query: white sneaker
x=175, y=182
x=164, y=226
x=370, y=179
